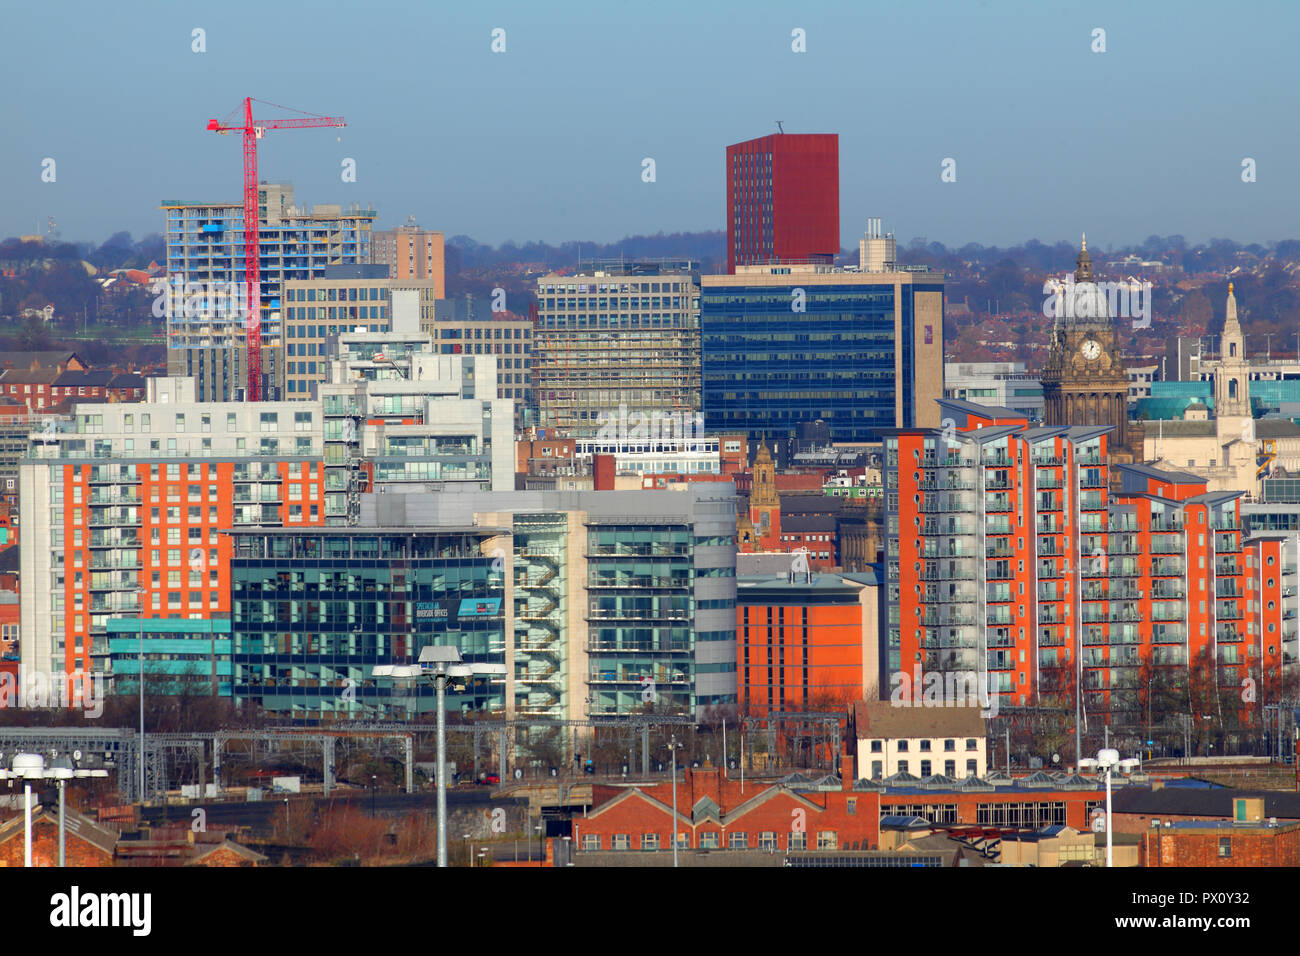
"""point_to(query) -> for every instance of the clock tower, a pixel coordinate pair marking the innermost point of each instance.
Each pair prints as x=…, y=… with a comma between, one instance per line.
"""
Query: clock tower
x=1084, y=379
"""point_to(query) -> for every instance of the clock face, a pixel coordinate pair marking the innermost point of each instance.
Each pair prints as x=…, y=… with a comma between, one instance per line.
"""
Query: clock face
x=1091, y=349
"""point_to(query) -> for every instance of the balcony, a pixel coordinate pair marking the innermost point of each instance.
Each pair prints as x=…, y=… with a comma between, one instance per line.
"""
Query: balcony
x=1227, y=543
x=638, y=582
x=947, y=575
x=610, y=647
x=126, y=562
x=948, y=620
x=661, y=678
x=114, y=496
x=114, y=517
x=637, y=614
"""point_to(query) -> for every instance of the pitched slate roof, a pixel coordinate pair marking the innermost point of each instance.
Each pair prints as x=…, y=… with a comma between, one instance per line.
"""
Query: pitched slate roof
x=76, y=823
x=882, y=719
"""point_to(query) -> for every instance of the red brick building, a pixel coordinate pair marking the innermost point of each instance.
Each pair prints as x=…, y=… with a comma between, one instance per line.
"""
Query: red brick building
x=713, y=812
x=825, y=814
x=85, y=842
x=1208, y=843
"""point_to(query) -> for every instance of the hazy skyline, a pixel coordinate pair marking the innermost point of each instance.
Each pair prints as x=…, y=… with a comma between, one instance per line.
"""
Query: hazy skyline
x=546, y=140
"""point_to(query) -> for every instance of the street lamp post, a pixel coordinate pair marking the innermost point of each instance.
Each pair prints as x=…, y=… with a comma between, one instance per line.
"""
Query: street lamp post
x=31, y=767
x=139, y=614
x=672, y=747
x=439, y=661
x=1106, y=761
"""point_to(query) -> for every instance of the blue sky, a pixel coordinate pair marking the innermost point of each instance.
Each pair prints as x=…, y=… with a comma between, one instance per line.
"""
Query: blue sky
x=546, y=140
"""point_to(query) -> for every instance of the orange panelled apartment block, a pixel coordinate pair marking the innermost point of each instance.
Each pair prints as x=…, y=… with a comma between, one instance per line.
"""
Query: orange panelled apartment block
x=124, y=510
x=1008, y=557
x=160, y=522
x=806, y=642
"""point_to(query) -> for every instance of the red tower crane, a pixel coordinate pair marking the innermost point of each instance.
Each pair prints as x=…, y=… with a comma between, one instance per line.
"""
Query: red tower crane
x=253, y=130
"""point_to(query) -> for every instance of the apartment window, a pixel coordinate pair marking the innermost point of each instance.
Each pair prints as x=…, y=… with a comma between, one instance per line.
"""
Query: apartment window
x=902, y=766
x=925, y=768
x=591, y=841
x=798, y=841
x=972, y=768
x=925, y=746
x=708, y=841
x=949, y=746
x=970, y=743
x=902, y=746
x=767, y=840
x=827, y=840
x=877, y=770
x=853, y=805
x=738, y=841
x=1225, y=846
x=876, y=746
x=649, y=841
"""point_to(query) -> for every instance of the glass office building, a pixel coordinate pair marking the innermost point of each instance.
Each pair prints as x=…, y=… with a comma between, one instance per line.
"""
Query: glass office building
x=181, y=657
x=314, y=611
x=785, y=345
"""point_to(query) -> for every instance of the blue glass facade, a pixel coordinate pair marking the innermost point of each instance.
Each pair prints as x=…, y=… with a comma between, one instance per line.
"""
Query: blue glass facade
x=180, y=656
x=313, y=611
x=768, y=367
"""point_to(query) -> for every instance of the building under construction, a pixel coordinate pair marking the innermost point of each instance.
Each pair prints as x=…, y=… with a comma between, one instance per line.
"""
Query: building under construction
x=618, y=341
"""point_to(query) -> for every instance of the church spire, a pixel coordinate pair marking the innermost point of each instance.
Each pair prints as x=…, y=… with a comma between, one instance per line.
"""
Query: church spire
x=1230, y=324
x=1083, y=264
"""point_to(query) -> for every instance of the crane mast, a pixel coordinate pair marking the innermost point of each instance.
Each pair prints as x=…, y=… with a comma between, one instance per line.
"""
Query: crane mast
x=252, y=131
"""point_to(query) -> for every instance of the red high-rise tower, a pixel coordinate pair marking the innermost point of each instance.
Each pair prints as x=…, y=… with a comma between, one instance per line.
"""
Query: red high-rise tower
x=783, y=199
